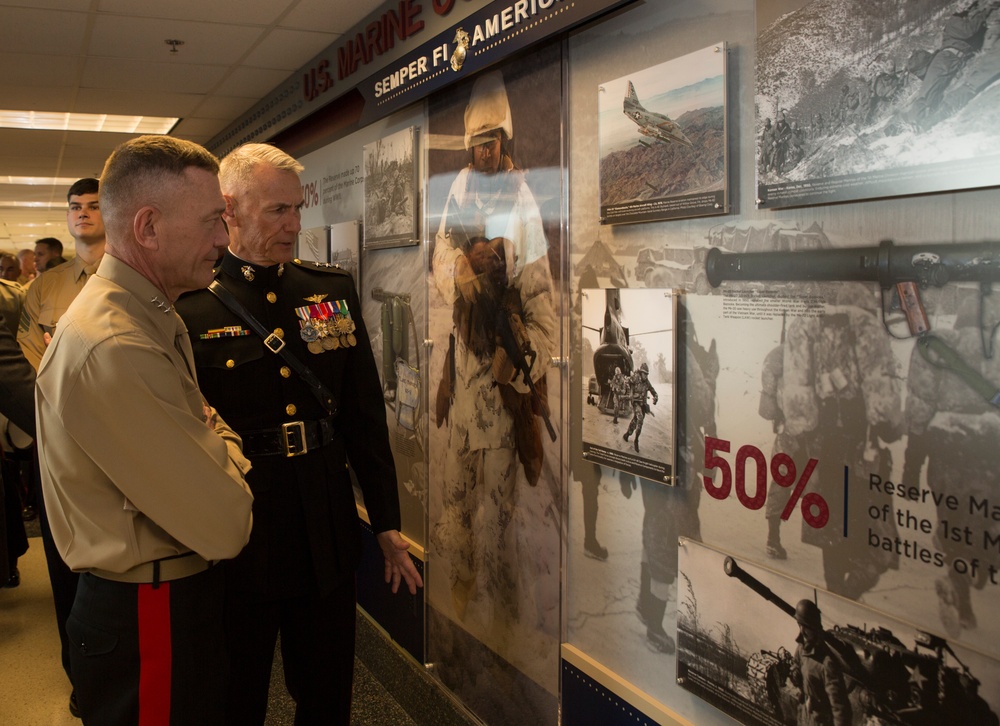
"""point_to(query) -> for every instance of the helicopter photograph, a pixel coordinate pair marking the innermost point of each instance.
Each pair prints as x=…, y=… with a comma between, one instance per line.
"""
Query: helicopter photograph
x=628, y=352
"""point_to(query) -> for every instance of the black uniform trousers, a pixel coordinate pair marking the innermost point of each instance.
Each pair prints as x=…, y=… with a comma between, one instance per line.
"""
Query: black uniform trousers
x=150, y=656
x=62, y=579
x=317, y=647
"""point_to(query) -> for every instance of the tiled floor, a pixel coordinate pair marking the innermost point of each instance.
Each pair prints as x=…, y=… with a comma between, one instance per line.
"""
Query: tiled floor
x=35, y=691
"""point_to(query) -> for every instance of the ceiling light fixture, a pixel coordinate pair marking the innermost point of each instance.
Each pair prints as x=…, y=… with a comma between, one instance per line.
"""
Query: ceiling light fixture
x=38, y=181
x=103, y=122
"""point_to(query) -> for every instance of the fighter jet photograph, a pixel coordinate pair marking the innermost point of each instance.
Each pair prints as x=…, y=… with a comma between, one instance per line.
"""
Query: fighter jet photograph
x=663, y=146
x=654, y=125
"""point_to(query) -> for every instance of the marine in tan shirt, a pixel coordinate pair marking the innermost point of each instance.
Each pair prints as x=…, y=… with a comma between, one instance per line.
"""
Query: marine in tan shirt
x=47, y=300
x=112, y=504
x=11, y=301
x=142, y=482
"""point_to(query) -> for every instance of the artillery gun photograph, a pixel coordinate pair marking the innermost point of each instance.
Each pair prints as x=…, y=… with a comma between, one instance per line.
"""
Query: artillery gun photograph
x=809, y=667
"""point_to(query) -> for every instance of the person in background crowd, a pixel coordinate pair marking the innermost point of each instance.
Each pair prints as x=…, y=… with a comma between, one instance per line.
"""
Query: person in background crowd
x=147, y=626
x=301, y=420
x=47, y=249
x=16, y=408
x=26, y=258
x=10, y=269
x=47, y=299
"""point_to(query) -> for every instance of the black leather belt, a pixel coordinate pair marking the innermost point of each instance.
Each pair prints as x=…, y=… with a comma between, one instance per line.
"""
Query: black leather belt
x=290, y=439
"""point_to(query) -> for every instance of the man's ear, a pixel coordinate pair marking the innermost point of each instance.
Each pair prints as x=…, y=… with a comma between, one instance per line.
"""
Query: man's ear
x=144, y=227
x=230, y=214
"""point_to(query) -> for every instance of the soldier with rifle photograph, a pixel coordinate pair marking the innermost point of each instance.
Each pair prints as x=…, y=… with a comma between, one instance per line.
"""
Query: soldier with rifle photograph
x=490, y=262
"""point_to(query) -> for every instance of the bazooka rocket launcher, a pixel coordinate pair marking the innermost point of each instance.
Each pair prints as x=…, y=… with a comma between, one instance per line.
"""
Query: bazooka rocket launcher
x=902, y=270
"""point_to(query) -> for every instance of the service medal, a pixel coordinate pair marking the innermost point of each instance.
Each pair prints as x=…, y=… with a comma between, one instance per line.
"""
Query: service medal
x=309, y=333
x=315, y=346
x=351, y=339
x=330, y=342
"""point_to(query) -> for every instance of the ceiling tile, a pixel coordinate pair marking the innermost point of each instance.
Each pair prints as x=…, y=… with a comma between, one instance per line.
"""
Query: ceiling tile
x=213, y=11
x=225, y=107
x=199, y=130
x=157, y=77
x=332, y=17
x=130, y=102
x=119, y=37
x=273, y=50
x=25, y=30
x=255, y=82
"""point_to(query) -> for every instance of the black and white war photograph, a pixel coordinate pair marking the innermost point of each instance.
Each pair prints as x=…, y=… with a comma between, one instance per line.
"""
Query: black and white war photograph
x=770, y=650
x=628, y=369
x=391, y=191
x=663, y=140
x=858, y=99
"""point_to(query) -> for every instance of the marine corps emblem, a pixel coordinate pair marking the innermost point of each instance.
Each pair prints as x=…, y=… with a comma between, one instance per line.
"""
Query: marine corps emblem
x=461, y=50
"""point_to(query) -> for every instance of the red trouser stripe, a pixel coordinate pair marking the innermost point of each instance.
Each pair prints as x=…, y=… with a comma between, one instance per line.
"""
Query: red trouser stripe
x=154, y=655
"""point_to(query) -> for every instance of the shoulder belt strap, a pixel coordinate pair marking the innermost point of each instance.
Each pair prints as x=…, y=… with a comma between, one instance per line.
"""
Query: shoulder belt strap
x=276, y=345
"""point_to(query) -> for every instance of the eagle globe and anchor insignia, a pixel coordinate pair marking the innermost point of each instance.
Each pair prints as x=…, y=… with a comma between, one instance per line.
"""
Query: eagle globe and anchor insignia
x=461, y=49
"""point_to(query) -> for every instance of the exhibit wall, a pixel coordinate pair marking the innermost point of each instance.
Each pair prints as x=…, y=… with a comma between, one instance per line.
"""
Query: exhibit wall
x=770, y=373
x=826, y=445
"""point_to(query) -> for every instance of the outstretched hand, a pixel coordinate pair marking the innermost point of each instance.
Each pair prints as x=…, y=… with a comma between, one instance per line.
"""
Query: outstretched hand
x=398, y=565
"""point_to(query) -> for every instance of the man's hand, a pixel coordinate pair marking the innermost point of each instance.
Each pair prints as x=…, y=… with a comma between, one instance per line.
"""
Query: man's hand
x=208, y=414
x=398, y=564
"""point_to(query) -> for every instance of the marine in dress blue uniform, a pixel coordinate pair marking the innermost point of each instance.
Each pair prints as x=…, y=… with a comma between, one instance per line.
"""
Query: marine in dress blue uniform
x=297, y=574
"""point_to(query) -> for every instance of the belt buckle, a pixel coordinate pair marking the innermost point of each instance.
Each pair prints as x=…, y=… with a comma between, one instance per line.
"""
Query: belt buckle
x=274, y=343
x=293, y=436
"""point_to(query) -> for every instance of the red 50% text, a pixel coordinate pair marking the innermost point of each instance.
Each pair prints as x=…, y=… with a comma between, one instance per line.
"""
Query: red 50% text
x=815, y=510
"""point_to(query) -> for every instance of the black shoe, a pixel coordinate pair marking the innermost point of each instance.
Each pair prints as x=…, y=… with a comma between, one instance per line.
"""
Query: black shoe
x=592, y=548
x=776, y=552
x=74, y=708
x=659, y=642
x=627, y=434
x=637, y=444
x=15, y=578
x=28, y=514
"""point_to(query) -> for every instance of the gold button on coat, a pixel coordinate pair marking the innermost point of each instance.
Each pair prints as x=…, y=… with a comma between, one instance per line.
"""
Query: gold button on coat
x=230, y=363
x=271, y=297
x=279, y=332
x=286, y=372
x=290, y=409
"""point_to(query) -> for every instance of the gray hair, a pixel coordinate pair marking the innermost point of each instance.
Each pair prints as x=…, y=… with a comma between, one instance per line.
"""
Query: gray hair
x=236, y=169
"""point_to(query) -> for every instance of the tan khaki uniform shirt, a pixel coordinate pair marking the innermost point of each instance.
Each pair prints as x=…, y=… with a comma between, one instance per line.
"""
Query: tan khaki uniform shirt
x=11, y=301
x=46, y=299
x=131, y=473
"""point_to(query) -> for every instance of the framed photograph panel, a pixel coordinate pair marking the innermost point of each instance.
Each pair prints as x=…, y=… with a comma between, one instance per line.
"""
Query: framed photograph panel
x=390, y=189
